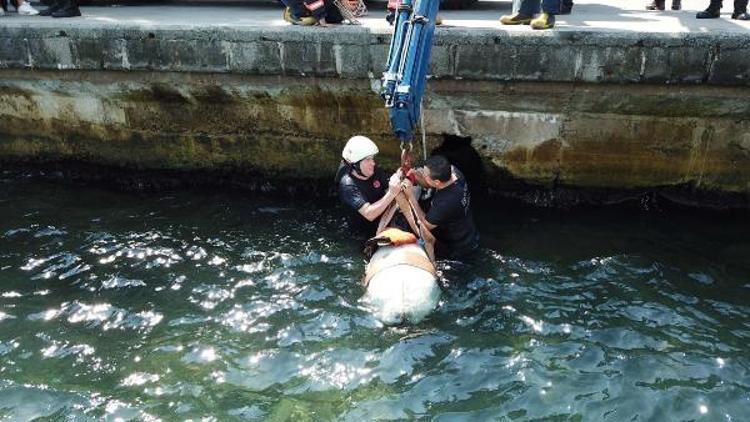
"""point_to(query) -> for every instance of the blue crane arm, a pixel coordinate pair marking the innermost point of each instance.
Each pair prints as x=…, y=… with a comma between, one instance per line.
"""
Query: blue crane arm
x=408, y=59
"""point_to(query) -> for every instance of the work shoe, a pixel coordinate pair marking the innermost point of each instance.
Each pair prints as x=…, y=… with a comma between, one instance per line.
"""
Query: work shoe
x=26, y=9
x=656, y=5
x=53, y=7
x=69, y=9
x=438, y=20
x=517, y=19
x=676, y=4
x=390, y=17
x=710, y=13
x=543, y=21
x=303, y=21
x=741, y=16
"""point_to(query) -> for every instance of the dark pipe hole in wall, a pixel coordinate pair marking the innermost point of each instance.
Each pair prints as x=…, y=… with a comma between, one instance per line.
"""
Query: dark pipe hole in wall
x=459, y=152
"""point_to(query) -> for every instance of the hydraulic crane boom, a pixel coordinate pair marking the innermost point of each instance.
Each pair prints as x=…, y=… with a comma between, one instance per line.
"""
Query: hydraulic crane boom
x=408, y=58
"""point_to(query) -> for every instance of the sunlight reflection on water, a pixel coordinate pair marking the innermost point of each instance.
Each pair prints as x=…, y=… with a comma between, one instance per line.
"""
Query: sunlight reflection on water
x=206, y=305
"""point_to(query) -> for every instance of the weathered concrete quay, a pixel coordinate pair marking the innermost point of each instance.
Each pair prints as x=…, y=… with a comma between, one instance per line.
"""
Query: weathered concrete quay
x=613, y=99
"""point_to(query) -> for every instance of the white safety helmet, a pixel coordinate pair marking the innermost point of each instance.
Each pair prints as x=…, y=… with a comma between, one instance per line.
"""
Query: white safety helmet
x=358, y=148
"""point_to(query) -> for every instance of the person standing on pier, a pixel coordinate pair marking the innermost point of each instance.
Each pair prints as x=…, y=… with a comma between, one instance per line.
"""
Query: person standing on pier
x=22, y=7
x=661, y=5
x=531, y=8
x=362, y=186
x=714, y=10
x=566, y=7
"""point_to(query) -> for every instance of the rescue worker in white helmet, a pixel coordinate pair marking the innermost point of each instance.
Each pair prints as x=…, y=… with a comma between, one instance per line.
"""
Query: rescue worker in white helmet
x=362, y=186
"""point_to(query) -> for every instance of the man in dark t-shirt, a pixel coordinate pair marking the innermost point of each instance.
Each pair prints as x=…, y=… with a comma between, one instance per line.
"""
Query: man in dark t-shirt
x=449, y=216
x=363, y=187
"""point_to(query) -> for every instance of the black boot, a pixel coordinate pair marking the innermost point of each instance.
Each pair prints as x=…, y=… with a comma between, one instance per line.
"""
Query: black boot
x=390, y=17
x=656, y=5
x=68, y=10
x=566, y=7
x=676, y=4
x=711, y=12
x=740, y=10
x=54, y=6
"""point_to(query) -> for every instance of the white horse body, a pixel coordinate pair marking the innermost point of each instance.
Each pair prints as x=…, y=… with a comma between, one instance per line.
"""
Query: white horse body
x=401, y=287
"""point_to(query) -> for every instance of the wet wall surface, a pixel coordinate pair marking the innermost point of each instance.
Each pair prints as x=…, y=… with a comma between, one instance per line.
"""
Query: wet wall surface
x=531, y=139
x=590, y=106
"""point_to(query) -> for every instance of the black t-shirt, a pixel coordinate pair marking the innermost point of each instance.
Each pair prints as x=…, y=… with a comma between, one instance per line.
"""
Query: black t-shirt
x=354, y=193
x=450, y=211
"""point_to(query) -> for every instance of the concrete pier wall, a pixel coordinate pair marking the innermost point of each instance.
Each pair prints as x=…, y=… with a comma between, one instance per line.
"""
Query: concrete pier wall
x=572, y=108
x=357, y=53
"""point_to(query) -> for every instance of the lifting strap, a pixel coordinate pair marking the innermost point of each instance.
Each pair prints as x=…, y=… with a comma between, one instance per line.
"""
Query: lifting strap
x=404, y=203
x=406, y=256
x=405, y=167
x=406, y=160
x=386, y=218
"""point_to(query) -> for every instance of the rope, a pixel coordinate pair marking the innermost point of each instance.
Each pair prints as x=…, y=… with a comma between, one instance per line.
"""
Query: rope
x=424, y=135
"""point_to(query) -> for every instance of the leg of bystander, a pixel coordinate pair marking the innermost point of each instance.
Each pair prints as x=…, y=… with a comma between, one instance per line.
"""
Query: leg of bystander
x=53, y=7
x=656, y=5
x=69, y=9
x=711, y=12
x=525, y=13
x=24, y=8
x=740, y=11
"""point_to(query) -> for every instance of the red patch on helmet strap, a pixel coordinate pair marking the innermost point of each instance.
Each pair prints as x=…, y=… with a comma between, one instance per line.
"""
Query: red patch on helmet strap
x=376, y=184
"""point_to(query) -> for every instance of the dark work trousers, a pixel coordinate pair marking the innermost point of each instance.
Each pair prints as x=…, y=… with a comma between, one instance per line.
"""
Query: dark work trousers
x=299, y=10
x=532, y=7
x=740, y=6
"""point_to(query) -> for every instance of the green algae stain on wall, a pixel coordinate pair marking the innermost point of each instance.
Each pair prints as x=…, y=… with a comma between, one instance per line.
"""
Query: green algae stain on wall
x=290, y=132
x=295, y=128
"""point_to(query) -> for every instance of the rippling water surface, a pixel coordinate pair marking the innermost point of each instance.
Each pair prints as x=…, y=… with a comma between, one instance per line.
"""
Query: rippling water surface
x=196, y=305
